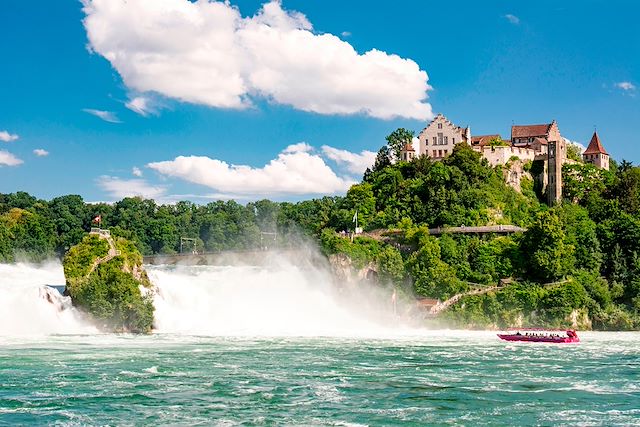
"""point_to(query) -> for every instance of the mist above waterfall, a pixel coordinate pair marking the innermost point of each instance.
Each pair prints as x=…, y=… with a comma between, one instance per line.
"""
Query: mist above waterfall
x=281, y=298
x=31, y=308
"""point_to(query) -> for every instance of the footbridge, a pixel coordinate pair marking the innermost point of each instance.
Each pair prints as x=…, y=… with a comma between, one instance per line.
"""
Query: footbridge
x=485, y=229
x=235, y=257
x=383, y=234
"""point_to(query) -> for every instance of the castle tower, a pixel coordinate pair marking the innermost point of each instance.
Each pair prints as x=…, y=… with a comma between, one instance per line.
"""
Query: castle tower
x=407, y=153
x=596, y=154
x=557, y=152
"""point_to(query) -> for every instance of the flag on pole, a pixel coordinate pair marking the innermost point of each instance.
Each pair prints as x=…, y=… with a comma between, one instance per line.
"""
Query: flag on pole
x=355, y=217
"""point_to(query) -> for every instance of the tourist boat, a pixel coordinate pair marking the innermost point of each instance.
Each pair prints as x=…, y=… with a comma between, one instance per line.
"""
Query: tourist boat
x=541, y=335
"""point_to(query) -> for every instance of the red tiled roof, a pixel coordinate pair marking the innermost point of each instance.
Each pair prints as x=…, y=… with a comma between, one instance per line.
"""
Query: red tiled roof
x=527, y=131
x=408, y=147
x=483, y=140
x=595, y=146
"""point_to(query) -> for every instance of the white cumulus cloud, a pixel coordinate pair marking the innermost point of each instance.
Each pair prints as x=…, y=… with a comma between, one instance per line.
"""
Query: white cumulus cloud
x=206, y=52
x=136, y=172
x=141, y=105
x=7, y=137
x=8, y=159
x=512, y=18
x=626, y=86
x=40, y=152
x=107, y=116
x=297, y=170
x=354, y=162
x=119, y=188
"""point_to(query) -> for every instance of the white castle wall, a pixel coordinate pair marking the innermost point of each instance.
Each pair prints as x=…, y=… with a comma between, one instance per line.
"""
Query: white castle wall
x=501, y=155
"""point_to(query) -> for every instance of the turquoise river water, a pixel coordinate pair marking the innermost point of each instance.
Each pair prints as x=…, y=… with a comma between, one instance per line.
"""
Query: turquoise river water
x=439, y=378
x=60, y=371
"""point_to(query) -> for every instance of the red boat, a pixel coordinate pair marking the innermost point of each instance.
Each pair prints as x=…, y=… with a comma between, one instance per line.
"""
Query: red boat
x=542, y=335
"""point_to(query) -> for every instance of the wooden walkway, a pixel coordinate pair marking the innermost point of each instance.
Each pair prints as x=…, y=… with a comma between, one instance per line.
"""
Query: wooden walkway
x=485, y=229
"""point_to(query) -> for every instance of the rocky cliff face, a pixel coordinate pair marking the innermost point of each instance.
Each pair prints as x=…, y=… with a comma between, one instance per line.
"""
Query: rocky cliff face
x=347, y=273
x=105, y=278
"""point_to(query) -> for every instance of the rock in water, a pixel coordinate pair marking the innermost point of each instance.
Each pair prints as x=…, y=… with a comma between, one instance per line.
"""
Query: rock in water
x=105, y=278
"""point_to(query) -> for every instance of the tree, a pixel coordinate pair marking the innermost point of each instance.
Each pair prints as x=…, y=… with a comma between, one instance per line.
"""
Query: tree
x=397, y=139
x=580, y=180
x=383, y=160
x=549, y=256
x=391, y=266
x=359, y=198
x=432, y=276
x=627, y=188
x=574, y=152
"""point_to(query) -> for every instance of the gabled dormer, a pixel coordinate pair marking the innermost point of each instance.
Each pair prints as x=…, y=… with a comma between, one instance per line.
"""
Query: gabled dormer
x=440, y=136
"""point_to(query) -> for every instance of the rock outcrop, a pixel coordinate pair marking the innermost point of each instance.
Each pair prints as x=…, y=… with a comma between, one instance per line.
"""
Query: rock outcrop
x=347, y=273
x=105, y=278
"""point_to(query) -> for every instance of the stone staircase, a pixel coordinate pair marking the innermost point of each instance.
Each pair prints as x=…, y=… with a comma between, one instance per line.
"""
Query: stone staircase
x=113, y=252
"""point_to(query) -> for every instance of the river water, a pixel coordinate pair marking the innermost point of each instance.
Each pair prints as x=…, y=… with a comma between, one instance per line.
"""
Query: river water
x=252, y=359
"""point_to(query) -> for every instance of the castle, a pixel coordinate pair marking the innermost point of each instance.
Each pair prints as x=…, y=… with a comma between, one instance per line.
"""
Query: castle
x=541, y=142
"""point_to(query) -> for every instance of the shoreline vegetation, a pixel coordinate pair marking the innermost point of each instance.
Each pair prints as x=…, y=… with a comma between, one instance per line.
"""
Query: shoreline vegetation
x=577, y=263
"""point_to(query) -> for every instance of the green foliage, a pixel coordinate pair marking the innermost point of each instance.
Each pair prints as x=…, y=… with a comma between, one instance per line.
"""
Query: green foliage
x=80, y=258
x=550, y=254
x=109, y=291
x=397, y=139
x=391, y=265
x=574, y=152
x=432, y=276
x=579, y=181
x=361, y=251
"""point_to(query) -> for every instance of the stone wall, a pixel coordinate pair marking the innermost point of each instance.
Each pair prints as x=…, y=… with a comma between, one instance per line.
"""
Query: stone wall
x=501, y=155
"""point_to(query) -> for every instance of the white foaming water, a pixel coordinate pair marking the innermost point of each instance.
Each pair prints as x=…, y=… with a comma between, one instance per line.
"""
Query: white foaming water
x=279, y=300
x=30, y=308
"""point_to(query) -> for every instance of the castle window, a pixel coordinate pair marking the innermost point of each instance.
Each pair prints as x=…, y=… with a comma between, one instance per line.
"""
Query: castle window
x=453, y=140
x=439, y=125
x=446, y=152
x=435, y=142
x=446, y=139
x=439, y=153
x=434, y=153
x=440, y=138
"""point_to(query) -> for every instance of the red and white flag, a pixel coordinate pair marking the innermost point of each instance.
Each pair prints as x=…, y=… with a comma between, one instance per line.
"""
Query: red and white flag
x=98, y=218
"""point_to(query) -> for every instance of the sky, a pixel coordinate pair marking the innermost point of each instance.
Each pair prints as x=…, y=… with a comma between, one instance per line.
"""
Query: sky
x=288, y=100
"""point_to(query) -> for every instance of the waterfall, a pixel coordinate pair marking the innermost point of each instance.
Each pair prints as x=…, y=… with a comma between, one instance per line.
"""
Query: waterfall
x=279, y=300
x=29, y=307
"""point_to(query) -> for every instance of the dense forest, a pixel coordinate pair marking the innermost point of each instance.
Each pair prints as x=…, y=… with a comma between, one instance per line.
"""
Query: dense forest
x=579, y=258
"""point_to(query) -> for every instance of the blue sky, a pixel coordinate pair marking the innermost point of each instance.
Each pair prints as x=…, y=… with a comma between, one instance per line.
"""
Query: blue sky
x=275, y=88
